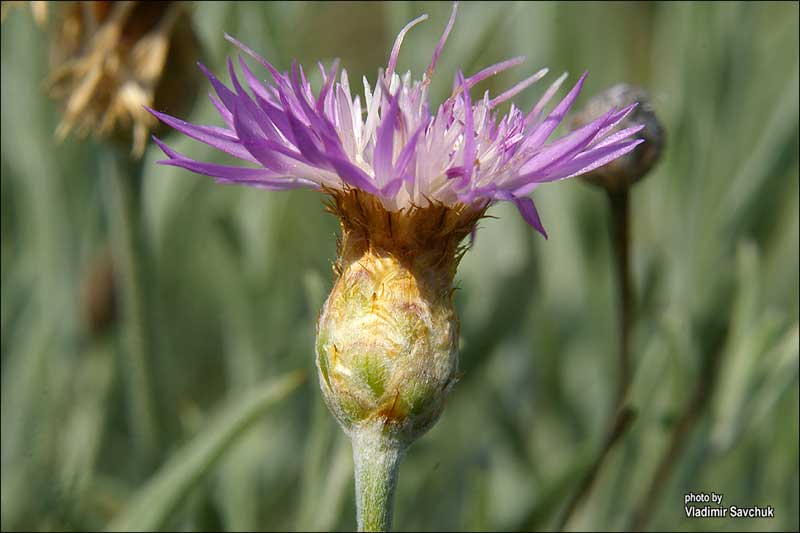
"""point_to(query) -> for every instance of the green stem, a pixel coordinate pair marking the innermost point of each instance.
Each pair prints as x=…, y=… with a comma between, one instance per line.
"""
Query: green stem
x=124, y=178
x=621, y=242
x=377, y=462
x=621, y=245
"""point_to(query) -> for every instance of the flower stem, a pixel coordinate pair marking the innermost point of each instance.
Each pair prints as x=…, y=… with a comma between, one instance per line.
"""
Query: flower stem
x=621, y=238
x=622, y=416
x=123, y=177
x=377, y=462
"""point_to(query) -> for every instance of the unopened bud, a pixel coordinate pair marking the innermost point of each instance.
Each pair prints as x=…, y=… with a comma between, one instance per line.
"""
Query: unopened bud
x=387, y=337
x=630, y=168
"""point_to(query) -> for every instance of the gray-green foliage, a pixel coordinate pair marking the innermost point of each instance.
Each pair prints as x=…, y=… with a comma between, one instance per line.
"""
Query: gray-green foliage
x=242, y=274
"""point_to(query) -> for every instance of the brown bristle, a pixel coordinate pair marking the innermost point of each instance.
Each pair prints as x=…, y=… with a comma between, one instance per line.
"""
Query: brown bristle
x=421, y=238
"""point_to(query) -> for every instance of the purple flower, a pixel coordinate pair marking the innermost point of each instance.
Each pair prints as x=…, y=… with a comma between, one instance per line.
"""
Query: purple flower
x=391, y=145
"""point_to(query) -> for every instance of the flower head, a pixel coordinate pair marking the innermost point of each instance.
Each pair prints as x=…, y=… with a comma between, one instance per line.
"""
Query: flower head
x=408, y=185
x=391, y=145
x=110, y=59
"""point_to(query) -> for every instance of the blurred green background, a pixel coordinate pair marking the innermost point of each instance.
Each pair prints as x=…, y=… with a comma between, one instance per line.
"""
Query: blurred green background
x=240, y=274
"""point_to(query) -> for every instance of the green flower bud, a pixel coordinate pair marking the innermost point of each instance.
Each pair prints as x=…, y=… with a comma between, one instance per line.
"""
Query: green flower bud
x=387, y=337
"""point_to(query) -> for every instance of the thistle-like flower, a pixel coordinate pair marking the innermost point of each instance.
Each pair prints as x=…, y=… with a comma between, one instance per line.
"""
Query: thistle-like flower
x=408, y=185
x=110, y=59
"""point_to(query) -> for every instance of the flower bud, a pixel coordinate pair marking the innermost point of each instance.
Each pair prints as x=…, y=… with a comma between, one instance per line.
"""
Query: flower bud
x=630, y=168
x=387, y=337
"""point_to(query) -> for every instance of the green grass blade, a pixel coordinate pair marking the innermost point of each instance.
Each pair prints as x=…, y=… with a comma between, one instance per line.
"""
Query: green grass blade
x=154, y=504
